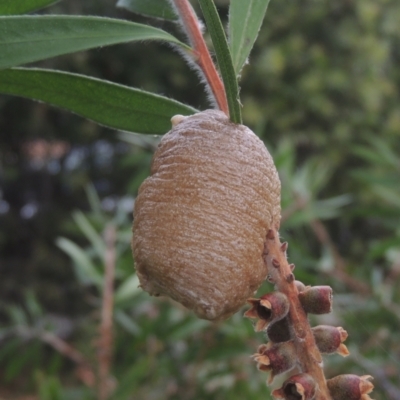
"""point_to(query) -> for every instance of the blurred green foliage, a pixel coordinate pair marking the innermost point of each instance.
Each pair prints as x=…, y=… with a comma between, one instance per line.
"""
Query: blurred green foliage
x=323, y=91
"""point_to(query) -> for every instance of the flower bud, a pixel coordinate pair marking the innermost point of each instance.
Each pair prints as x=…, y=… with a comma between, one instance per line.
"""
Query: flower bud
x=330, y=339
x=269, y=308
x=300, y=286
x=279, y=331
x=276, y=358
x=297, y=387
x=316, y=299
x=350, y=387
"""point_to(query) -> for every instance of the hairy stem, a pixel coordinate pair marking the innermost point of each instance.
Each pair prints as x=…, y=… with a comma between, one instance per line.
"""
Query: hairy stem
x=202, y=55
x=280, y=273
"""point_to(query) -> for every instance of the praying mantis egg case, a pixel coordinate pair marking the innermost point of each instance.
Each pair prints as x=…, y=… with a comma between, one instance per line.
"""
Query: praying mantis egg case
x=201, y=217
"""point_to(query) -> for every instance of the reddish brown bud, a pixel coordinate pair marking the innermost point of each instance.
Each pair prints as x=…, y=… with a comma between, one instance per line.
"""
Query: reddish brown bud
x=330, y=339
x=289, y=278
x=270, y=234
x=284, y=247
x=270, y=279
x=350, y=387
x=300, y=285
x=316, y=299
x=269, y=308
x=275, y=263
x=275, y=358
x=298, y=387
x=279, y=331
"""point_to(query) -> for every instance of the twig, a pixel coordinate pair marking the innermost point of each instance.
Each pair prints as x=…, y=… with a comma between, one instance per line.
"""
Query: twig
x=203, y=58
x=322, y=234
x=340, y=273
x=63, y=347
x=105, y=343
x=280, y=272
x=84, y=371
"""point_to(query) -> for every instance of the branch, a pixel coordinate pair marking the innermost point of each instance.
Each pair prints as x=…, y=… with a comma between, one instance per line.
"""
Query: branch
x=105, y=343
x=339, y=273
x=322, y=235
x=280, y=272
x=203, y=58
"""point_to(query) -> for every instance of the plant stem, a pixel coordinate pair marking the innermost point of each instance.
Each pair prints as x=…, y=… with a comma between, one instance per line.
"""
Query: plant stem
x=105, y=344
x=339, y=271
x=308, y=355
x=322, y=234
x=224, y=58
x=84, y=370
x=202, y=56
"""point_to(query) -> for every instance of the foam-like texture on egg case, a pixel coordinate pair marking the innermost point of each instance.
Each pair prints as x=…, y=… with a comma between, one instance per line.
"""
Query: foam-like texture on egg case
x=201, y=217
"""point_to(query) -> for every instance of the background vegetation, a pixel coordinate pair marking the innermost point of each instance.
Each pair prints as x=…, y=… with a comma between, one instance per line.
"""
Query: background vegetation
x=323, y=91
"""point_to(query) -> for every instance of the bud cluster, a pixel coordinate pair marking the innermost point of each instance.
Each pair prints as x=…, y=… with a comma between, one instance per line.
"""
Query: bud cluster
x=282, y=315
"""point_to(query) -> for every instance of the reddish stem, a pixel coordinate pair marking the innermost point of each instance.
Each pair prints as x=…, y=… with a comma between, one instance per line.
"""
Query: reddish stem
x=201, y=53
x=105, y=345
x=309, y=357
x=85, y=371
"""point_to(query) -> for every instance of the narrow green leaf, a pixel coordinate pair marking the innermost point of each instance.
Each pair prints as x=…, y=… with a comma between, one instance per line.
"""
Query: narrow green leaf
x=26, y=39
x=90, y=233
x=152, y=8
x=9, y=347
x=107, y=103
x=15, y=7
x=245, y=19
x=17, y=315
x=32, y=305
x=94, y=201
x=84, y=267
x=128, y=289
x=21, y=360
x=224, y=58
x=127, y=322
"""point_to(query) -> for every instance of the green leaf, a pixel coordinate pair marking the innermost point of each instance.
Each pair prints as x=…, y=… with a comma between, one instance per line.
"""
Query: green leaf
x=34, y=309
x=107, y=103
x=85, y=269
x=27, y=355
x=25, y=39
x=224, y=58
x=9, y=348
x=94, y=201
x=128, y=289
x=245, y=19
x=127, y=322
x=14, y=7
x=131, y=379
x=186, y=328
x=90, y=233
x=17, y=315
x=152, y=8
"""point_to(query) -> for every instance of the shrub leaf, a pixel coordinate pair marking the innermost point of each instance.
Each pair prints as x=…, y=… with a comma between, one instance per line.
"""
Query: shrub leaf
x=109, y=104
x=25, y=39
x=15, y=7
x=245, y=19
x=224, y=58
